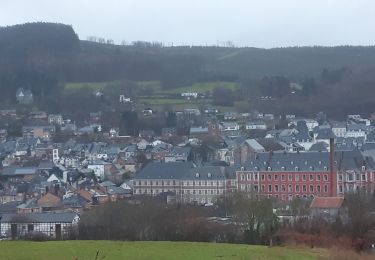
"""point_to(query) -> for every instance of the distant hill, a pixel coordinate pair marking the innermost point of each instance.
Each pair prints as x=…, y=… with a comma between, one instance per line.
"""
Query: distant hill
x=43, y=56
x=45, y=37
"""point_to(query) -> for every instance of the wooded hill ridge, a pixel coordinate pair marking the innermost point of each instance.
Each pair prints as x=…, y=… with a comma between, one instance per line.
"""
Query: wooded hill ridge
x=43, y=56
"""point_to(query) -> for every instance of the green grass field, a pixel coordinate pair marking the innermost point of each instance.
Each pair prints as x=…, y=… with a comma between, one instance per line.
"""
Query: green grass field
x=57, y=250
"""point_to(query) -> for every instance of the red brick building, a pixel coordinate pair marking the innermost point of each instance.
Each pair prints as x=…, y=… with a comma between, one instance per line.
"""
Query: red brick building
x=309, y=174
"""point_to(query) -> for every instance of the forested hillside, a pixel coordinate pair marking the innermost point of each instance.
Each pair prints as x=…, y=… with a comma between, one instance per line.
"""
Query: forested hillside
x=43, y=56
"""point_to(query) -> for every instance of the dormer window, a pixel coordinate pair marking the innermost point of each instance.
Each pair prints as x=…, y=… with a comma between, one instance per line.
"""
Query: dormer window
x=311, y=168
x=320, y=162
x=209, y=175
x=325, y=168
x=269, y=168
x=242, y=168
x=283, y=168
x=256, y=168
x=363, y=168
x=291, y=162
x=296, y=168
x=197, y=175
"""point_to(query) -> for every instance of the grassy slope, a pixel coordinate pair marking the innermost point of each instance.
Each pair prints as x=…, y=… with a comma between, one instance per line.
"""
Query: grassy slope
x=146, y=250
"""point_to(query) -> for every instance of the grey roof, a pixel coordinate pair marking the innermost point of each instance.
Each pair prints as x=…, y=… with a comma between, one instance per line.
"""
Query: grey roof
x=38, y=218
x=308, y=161
x=14, y=171
x=198, y=130
x=179, y=151
x=117, y=190
x=184, y=171
x=325, y=134
x=319, y=147
x=107, y=184
x=255, y=145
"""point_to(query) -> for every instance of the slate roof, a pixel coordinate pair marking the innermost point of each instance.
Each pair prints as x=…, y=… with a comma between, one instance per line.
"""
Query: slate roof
x=38, y=218
x=319, y=147
x=186, y=171
x=19, y=171
x=308, y=161
x=325, y=134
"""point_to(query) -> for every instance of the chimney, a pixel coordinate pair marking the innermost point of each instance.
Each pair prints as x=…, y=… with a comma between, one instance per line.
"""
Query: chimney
x=332, y=168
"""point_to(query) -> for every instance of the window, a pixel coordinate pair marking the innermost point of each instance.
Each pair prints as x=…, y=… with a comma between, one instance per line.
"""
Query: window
x=340, y=189
x=290, y=188
x=311, y=177
x=318, y=177
x=325, y=168
x=256, y=176
x=296, y=177
x=304, y=177
x=363, y=177
x=243, y=187
x=304, y=188
x=283, y=188
x=269, y=177
x=249, y=176
x=283, y=177
x=340, y=177
x=289, y=177
x=269, y=188
x=262, y=188
x=269, y=168
x=276, y=188
x=262, y=177
x=311, y=189
x=357, y=177
x=296, y=169
x=276, y=177
x=318, y=188
x=297, y=188
x=325, y=188
x=256, y=188
x=325, y=177
x=242, y=177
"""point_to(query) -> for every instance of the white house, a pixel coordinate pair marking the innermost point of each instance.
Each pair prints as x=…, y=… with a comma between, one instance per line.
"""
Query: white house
x=99, y=168
x=339, y=129
x=230, y=126
x=189, y=95
x=124, y=99
x=257, y=125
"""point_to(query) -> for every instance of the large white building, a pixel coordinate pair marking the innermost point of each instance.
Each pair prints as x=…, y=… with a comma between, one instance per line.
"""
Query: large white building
x=188, y=183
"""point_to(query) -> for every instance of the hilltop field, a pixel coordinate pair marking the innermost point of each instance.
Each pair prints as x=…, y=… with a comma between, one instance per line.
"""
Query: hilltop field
x=148, y=250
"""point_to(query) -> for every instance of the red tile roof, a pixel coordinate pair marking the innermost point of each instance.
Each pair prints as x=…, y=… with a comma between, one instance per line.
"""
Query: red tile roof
x=327, y=202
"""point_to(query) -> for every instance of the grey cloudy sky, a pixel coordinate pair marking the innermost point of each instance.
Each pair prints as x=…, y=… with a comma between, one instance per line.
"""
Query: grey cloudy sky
x=262, y=23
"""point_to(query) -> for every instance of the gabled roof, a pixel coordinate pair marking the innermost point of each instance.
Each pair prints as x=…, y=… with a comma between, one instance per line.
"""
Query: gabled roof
x=185, y=171
x=327, y=202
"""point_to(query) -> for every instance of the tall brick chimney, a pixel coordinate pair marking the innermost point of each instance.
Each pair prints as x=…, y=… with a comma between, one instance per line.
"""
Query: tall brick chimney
x=332, y=168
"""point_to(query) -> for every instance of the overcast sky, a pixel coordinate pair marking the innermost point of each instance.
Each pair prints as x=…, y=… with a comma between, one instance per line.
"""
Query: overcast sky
x=262, y=23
